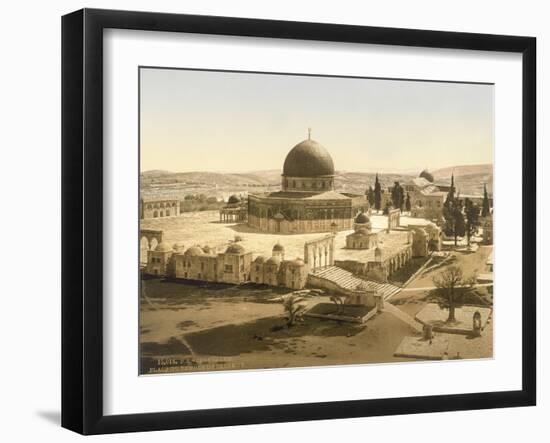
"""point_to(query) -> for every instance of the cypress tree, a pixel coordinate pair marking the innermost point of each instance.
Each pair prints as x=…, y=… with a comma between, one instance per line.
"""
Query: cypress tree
x=408, y=203
x=485, y=210
x=472, y=218
x=370, y=195
x=451, y=194
x=398, y=196
x=377, y=194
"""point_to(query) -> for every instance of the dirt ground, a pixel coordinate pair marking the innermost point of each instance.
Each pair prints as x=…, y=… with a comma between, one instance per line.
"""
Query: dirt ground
x=187, y=327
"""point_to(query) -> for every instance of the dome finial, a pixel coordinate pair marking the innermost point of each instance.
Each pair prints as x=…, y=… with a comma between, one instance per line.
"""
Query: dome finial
x=309, y=133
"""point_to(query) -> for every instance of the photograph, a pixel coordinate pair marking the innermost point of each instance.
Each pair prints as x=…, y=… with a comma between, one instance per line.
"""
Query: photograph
x=291, y=220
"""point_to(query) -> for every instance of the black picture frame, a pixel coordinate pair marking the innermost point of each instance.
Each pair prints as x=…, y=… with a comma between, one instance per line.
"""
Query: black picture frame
x=82, y=218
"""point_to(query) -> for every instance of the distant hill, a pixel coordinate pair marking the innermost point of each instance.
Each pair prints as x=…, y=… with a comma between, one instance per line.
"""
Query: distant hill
x=469, y=179
x=486, y=169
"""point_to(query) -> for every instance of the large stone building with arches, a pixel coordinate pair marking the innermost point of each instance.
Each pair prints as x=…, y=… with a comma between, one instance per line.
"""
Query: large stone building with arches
x=307, y=201
x=159, y=208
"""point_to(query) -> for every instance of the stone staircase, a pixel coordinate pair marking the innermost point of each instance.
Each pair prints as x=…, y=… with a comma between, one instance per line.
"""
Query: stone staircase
x=347, y=280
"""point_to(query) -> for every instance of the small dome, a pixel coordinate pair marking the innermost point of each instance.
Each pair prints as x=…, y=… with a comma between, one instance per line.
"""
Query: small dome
x=298, y=262
x=163, y=247
x=233, y=199
x=308, y=159
x=207, y=249
x=194, y=251
x=278, y=248
x=362, y=218
x=273, y=261
x=259, y=259
x=420, y=232
x=279, y=216
x=178, y=246
x=234, y=249
x=427, y=175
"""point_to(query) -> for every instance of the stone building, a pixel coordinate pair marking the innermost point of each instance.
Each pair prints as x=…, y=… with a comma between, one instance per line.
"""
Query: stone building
x=420, y=244
x=307, y=201
x=363, y=237
x=159, y=208
x=159, y=260
x=204, y=264
x=433, y=235
x=394, y=250
x=427, y=197
x=276, y=271
x=234, y=265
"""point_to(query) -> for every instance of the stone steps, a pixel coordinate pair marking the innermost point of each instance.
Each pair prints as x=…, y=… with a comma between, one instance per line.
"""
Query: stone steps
x=347, y=280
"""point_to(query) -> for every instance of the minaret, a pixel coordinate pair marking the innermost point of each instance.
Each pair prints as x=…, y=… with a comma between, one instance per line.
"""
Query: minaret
x=309, y=133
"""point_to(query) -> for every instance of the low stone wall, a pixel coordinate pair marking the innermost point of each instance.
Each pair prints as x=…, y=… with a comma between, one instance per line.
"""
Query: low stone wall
x=352, y=266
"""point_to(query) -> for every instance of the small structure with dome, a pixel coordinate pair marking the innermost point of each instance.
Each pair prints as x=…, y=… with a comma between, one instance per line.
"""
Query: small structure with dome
x=158, y=260
x=235, y=210
x=426, y=196
x=307, y=201
x=362, y=237
x=276, y=271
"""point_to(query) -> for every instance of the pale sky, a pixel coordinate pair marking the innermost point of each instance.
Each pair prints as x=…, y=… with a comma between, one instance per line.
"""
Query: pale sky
x=238, y=122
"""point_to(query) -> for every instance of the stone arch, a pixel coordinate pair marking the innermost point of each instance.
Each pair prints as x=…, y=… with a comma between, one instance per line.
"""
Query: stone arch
x=155, y=214
x=319, y=253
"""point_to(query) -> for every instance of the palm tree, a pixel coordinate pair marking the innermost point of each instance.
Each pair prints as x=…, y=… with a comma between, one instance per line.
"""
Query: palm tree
x=339, y=302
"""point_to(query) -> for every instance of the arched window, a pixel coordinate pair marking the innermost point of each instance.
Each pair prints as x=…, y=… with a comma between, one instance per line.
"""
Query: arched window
x=155, y=214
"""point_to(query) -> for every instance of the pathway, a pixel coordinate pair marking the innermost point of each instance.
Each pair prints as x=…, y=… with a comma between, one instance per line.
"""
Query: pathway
x=429, y=288
x=398, y=313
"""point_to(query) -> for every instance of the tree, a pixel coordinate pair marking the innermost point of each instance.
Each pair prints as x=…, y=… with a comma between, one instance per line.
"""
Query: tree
x=485, y=208
x=377, y=194
x=408, y=203
x=471, y=212
x=454, y=225
x=397, y=196
x=370, y=195
x=451, y=194
x=339, y=302
x=447, y=282
x=293, y=308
